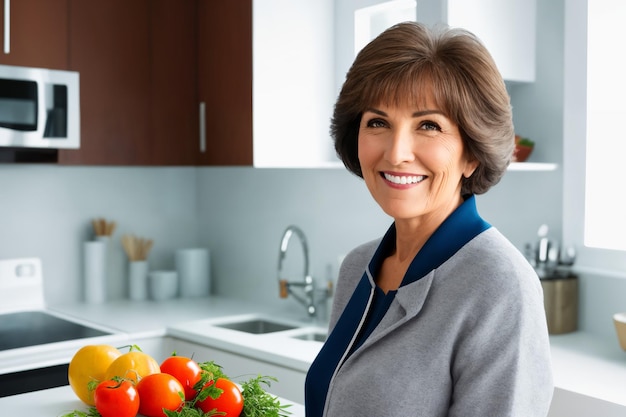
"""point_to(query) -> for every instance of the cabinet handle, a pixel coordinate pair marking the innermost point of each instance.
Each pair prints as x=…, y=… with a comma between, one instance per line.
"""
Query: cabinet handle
x=202, y=127
x=7, y=26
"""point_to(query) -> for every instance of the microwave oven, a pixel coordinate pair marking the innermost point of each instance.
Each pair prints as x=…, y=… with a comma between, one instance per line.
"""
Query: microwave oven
x=39, y=108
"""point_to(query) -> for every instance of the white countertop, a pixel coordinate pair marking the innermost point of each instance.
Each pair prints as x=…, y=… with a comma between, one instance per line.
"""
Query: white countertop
x=150, y=316
x=192, y=319
x=58, y=401
x=280, y=348
x=587, y=364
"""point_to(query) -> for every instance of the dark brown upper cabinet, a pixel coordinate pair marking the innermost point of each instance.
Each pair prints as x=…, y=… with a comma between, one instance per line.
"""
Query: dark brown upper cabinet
x=37, y=33
x=138, y=91
x=225, y=80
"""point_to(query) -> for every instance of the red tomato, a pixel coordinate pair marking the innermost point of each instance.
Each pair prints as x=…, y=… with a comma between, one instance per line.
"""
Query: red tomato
x=159, y=391
x=229, y=402
x=116, y=399
x=185, y=370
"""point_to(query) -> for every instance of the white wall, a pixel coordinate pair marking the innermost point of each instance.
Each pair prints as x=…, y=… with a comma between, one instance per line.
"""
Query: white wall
x=46, y=212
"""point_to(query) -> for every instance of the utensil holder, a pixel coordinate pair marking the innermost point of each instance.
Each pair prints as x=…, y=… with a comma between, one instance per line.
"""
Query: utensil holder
x=560, y=297
x=138, y=280
x=193, y=266
x=95, y=270
x=163, y=285
x=619, y=320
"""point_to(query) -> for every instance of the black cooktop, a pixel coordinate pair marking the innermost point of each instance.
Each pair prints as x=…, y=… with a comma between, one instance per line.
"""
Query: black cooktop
x=29, y=328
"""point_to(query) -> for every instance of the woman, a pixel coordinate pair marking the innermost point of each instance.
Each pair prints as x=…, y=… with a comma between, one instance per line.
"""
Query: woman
x=443, y=316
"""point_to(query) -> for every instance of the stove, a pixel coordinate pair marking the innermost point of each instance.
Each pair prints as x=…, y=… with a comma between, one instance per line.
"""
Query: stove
x=23, y=319
x=36, y=344
x=30, y=328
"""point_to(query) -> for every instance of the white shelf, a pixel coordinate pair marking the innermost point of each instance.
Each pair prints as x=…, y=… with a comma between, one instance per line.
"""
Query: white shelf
x=532, y=166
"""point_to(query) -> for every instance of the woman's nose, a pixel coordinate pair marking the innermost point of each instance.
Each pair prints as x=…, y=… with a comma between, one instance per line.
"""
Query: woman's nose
x=400, y=147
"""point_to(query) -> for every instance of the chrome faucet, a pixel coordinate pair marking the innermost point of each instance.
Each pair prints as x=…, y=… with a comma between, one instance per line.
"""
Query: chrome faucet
x=308, y=284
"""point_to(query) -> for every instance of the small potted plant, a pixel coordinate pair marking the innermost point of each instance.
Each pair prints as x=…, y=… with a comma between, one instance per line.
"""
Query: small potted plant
x=523, y=148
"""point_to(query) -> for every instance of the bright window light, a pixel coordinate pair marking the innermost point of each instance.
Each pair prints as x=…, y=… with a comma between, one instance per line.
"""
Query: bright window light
x=605, y=200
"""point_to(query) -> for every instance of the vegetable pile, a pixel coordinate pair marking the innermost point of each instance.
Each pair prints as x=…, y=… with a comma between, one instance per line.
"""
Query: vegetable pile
x=116, y=384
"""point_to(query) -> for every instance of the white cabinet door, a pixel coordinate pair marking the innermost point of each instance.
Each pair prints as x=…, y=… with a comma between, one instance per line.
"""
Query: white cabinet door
x=292, y=84
x=506, y=27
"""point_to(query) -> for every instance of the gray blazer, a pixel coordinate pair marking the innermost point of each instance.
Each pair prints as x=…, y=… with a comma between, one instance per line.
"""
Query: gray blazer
x=469, y=339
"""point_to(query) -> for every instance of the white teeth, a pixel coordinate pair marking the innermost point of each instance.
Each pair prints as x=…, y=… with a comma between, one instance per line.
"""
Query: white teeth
x=411, y=179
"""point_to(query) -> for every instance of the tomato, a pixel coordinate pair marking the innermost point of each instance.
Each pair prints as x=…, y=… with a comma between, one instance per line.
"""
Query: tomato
x=116, y=399
x=90, y=363
x=185, y=370
x=133, y=365
x=159, y=391
x=229, y=402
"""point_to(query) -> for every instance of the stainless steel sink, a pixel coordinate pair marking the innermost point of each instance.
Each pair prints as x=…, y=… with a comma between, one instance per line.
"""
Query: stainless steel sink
x=257, y=326
x=312, y=336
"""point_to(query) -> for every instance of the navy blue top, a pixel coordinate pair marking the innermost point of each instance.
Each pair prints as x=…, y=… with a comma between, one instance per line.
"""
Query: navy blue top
x=458, y=229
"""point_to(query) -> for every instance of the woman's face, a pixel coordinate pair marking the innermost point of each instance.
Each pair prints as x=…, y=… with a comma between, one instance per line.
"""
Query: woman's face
x=413, y=160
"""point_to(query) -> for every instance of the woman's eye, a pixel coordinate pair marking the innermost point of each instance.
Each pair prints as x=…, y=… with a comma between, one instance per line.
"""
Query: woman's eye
x=428, y=125
x=376, y=123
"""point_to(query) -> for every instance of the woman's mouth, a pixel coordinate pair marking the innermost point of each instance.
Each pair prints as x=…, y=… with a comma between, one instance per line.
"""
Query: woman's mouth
x=403, y=179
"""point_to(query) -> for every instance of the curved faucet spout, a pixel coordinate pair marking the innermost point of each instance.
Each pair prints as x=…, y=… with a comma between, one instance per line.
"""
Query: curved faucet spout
x=284, y=243
x=307, y=284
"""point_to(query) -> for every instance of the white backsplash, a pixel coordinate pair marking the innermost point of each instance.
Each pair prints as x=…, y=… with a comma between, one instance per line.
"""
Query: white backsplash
x=46, y=212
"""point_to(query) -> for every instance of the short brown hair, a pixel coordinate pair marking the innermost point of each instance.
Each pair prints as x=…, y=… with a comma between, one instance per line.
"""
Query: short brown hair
x=410, y=60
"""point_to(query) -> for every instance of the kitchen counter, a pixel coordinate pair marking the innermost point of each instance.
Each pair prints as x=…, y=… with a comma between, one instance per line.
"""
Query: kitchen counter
x=151, y=317
x=125, y=320
x=130, y=322
x=282, y=348
x=192, y=318
x=55, y=402
x=589, y=365
x=587, y=369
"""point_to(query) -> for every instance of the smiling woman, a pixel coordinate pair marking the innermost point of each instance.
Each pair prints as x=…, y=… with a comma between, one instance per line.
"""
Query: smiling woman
x=448, y=309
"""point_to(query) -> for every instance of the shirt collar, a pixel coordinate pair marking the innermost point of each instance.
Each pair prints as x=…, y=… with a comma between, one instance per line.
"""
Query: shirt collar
x=461, y=226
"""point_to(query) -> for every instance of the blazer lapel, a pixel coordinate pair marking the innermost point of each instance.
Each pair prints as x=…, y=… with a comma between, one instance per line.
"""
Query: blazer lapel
x=407, y=303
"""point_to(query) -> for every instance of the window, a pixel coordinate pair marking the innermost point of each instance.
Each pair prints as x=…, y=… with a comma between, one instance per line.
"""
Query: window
x=605, y=202
x=593, y=135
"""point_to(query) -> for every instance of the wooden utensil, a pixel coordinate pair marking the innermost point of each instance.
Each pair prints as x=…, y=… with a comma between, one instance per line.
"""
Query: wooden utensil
x=103, y=228
x=136, y=248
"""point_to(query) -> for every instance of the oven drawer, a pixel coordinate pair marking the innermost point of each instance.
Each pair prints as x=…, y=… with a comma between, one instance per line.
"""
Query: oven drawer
x=33, y=380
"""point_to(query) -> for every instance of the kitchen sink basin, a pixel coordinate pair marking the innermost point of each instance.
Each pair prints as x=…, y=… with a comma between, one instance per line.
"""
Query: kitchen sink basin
x=257, y=326
x=313, y=336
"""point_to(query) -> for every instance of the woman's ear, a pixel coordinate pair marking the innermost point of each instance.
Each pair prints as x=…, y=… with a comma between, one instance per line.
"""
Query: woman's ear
x=470, y=167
